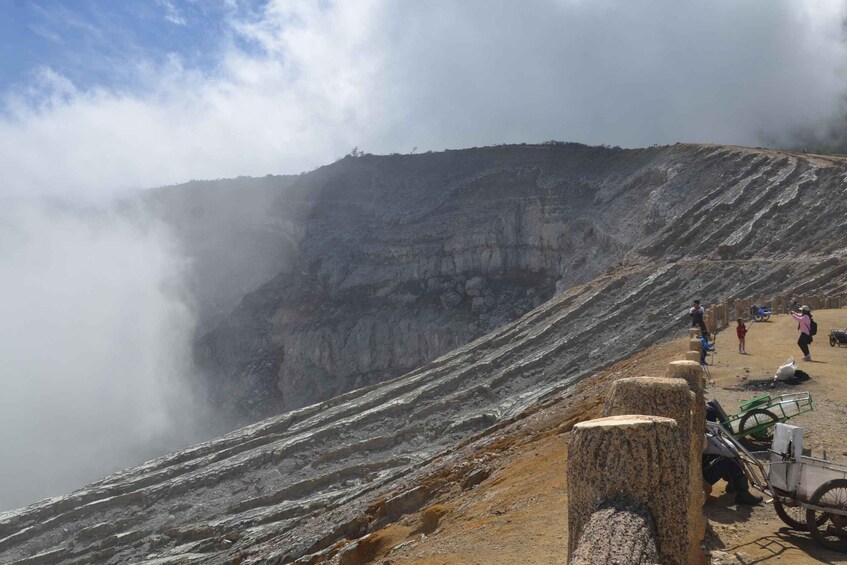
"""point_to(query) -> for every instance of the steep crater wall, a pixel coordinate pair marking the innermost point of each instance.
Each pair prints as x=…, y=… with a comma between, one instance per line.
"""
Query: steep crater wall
x=384, y=263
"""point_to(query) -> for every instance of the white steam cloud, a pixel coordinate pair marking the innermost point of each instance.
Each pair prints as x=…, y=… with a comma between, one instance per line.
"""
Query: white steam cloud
x=95, y=358
x=321, y=77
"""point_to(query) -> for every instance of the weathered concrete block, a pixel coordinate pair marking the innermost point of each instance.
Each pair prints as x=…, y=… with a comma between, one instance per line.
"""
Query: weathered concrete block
x=631, y=458
x=690, y=371
x=652, y=396
x=618, y=532
x=671, y=398
x=692, y=374
x=695, y=345
x=692, y=356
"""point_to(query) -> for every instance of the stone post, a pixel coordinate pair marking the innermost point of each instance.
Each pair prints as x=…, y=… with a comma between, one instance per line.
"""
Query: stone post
x=695, y=345
x=618, y=529
x=692, y=356
x=632, y=459
x=692, y=374
x=670, y=398
x=694, y=333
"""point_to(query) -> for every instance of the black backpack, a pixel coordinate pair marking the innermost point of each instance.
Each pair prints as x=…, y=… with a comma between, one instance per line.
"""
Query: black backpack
x=813, y=326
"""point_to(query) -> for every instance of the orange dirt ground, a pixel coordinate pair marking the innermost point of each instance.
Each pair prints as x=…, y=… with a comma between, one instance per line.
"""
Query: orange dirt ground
x=518, y=514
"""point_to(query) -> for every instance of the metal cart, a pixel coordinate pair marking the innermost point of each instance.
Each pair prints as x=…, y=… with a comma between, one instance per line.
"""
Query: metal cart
x=809, y=494
x=757, y=417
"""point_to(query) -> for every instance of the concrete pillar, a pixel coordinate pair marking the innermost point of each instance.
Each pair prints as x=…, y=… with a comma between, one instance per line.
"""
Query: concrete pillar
x=694, y=333
x=692, y=356
x=633, y=458
x=618, y=528
x=695, y=345
x=670, y=398
x=692, y=374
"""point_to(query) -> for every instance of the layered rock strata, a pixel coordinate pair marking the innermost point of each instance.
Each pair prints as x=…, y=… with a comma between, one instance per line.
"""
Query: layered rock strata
x=293, y=485
x=377, y=265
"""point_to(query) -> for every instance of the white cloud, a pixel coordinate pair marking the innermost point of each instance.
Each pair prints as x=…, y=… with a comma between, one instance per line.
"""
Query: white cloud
x=172, y=13
x=387, y=76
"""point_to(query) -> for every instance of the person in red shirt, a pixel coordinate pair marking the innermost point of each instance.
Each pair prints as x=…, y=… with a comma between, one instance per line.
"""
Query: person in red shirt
x=741, y=331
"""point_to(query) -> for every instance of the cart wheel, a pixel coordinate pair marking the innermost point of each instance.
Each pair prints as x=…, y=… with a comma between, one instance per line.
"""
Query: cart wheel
x=832, y=341
x=766, y=317
x=758, y=317
x=793, y=515
x=829, y=533
x=755, y=419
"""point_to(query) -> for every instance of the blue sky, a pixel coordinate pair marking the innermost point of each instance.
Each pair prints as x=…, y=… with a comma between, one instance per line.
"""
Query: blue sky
x=98, y=42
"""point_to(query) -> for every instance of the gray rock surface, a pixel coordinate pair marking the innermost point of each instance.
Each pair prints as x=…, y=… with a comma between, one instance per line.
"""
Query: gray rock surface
x=292, y=485
x=379, y=260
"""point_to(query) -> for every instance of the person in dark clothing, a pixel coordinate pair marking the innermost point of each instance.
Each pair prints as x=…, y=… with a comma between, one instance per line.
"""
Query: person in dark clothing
x=698, y=314
x=720, y=461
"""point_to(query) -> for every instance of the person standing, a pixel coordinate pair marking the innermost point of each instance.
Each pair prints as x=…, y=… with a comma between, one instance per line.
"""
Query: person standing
x=804, y=319
x=741, y=332
x=698, y=314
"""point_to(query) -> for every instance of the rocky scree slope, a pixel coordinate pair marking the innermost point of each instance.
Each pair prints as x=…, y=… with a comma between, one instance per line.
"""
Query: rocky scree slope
x=713, y=222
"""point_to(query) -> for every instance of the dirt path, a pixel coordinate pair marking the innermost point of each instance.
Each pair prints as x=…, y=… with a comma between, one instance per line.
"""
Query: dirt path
x=519, y=513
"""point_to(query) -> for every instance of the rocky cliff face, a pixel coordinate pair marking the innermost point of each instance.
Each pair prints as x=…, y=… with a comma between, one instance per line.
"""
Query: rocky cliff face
x=384, y=263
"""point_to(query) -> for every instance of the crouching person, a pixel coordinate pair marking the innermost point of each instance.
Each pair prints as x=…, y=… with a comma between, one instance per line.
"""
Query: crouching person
x=720, y=461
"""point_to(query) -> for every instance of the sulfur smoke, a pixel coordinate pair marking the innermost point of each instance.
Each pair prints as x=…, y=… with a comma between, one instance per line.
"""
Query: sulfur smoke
x=95, y=346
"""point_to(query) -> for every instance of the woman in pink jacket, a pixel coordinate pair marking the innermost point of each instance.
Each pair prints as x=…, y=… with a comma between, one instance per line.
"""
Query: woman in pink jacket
x=804, y=317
